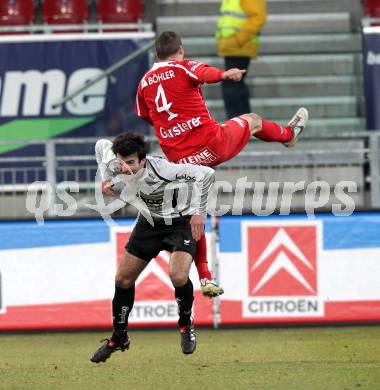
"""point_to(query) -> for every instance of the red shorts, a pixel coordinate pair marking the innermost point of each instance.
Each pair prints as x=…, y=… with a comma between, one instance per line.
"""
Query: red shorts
x=226, y=141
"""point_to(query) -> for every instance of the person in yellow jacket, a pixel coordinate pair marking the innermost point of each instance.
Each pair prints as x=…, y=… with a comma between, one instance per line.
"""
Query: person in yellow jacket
x=237, y=36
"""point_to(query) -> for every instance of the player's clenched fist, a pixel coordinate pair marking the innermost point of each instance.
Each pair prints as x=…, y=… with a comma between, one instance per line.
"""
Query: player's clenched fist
x=107, y=188
x=197, y=223
x=233, y=74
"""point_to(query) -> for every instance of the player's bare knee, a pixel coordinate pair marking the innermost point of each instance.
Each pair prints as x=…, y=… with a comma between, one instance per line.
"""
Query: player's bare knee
x=254, y=121
x=178, y=278
x=124, y=281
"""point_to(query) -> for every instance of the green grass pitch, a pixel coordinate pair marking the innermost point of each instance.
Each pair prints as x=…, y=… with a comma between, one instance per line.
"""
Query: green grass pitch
x=273, y=359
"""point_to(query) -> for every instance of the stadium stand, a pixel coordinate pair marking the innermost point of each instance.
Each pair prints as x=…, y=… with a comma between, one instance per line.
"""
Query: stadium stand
x=65, y=11
x=372, y=8
x=65, y=15
x=119, y=11
x=310, y=54
x=16, y=13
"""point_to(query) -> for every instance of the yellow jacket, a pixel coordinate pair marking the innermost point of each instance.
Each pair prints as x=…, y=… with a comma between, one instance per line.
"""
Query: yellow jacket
x=248, y=17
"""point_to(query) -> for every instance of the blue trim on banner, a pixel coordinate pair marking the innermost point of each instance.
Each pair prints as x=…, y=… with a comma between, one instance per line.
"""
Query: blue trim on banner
x=17, y=235
x=54, y=233
x=360, y=230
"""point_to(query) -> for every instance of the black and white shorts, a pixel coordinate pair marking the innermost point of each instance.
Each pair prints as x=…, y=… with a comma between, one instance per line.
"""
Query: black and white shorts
x=146, y=241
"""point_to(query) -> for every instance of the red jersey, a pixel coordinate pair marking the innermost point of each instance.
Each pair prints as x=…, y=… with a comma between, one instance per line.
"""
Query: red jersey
x=170, y=98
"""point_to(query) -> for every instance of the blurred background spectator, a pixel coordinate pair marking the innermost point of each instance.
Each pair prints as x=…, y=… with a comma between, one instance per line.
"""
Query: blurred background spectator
x=237, y=34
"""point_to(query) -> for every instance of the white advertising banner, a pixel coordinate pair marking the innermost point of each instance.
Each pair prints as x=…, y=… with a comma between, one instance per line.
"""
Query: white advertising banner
x=273, y=270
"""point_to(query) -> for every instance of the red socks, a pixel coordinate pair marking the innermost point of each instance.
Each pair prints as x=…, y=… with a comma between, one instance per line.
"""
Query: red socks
x=200, y=259
x=273, y=132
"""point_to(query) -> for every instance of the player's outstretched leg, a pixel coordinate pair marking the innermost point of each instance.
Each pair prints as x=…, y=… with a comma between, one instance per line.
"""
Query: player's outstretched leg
x=272, y=132
x=297, y=124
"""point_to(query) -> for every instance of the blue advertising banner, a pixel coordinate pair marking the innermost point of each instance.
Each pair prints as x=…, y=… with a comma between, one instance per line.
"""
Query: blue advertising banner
x=371, y=39
x=36, y=72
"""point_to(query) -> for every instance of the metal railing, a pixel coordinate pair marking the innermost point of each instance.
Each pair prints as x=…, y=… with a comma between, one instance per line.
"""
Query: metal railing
x=54, y=167
x=82, y=27
x=367, y=22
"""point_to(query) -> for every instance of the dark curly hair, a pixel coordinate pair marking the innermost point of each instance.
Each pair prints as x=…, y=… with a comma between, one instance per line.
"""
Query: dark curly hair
x=130, y=143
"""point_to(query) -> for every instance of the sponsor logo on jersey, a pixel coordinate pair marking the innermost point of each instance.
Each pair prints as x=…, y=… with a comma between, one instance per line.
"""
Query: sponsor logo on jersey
x=151, y=200
x=180, y=128
x=282, y=261
x=203, y=157
x=185, y=177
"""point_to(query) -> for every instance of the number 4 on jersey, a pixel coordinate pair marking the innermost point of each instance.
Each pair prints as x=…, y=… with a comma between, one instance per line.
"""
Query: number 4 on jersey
x=165, y=104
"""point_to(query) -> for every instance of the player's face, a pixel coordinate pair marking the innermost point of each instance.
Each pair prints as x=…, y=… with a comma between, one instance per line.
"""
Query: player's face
x=129, y=165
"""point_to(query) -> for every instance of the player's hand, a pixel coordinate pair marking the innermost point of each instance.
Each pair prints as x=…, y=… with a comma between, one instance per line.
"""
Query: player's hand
x=233, y=74
x=107, y=188
x=197, y=223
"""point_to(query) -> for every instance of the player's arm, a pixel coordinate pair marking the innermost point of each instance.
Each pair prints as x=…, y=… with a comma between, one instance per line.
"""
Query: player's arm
x=205, y=177
x=141, y=109
x=210, y=75
x=103, y=155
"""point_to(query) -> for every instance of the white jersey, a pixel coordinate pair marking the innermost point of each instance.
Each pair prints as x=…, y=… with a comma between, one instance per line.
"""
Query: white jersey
x=168, y=190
